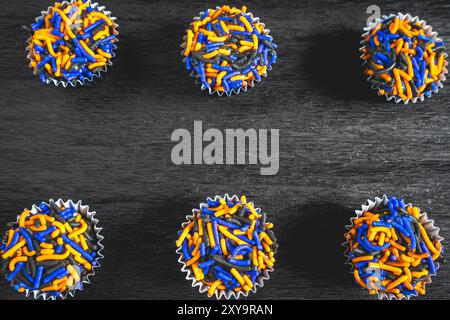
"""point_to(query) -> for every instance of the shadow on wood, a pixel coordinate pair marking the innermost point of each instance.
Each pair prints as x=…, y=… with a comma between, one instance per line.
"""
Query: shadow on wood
x=152, y=60
x=312, y=243
x=334, y=68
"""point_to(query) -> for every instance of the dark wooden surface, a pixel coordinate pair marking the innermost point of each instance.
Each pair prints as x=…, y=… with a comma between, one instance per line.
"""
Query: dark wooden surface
x=109, y=144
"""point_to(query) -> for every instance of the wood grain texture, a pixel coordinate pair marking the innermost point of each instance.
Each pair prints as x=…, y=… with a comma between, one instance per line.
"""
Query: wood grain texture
x=109, y=144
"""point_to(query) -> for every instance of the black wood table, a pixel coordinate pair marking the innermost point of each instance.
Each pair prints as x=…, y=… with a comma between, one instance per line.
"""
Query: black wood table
x=109, y=144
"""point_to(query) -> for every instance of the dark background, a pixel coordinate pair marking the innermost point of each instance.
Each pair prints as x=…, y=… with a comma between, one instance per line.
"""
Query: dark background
x=109, y=144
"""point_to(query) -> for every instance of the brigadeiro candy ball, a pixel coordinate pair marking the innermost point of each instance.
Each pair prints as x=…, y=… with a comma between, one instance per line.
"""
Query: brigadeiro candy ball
x=72, y=42
x=51, y=250
x=227, y=247
x=393, y=249
x=404, y=58
x=227, y=49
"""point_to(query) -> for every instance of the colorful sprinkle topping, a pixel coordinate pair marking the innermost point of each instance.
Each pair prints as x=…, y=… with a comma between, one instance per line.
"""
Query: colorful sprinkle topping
x=72, y=42
x=403, y=58
x=228, y=49
x=228, y=244
x=51, y=249
x=392, y=252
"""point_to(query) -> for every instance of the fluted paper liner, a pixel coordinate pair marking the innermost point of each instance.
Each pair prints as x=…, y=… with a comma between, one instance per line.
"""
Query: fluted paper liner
x=428, y=224
x=89, y=216
x=428, y=31
x=96, y=74
x=203, y=288
x=234, y=90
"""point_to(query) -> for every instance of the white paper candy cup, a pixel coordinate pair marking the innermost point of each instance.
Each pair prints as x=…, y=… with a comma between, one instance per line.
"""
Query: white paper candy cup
x=428, y=224
x=203, y=288
x=428, y=31
x=234, y=90
x=87, y=215
x=96, y=74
